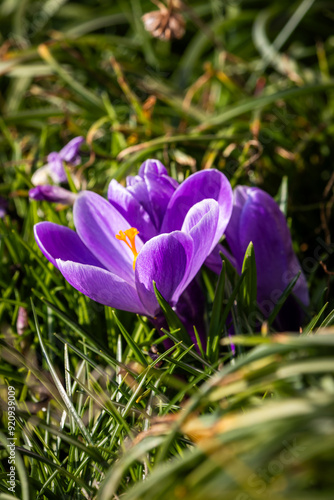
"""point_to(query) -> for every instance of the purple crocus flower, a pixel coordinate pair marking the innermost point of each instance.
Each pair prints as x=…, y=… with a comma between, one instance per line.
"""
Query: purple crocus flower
x=256, y=217
x=3, y=207
x=22, y=320
x=144, y=200
x=53, y=194
x=120, y=247
x=55, y=165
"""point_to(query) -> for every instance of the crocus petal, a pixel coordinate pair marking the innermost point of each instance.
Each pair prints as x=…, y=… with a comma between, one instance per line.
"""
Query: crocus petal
x=152, y=188
x=41, y=176
x=156, y=168
x=199, y=186
x=131, y=180
x=214, y=261
x=53, y=194
x=60, y=242
x=132, y=211
x=153, y=193
x=240, y=196
x=70, y=152
x=101, y=286
x=263, y=223
x=3, y=207
x=97, y=222
x=164, y=259
x=56, y=168
x=301, y=288
x=201, y=223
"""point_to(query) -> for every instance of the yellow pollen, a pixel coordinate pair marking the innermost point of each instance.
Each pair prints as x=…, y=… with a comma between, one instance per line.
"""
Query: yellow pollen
x=128, y=236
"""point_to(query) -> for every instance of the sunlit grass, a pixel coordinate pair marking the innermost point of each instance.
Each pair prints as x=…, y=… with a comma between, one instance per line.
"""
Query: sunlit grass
x=104, y=410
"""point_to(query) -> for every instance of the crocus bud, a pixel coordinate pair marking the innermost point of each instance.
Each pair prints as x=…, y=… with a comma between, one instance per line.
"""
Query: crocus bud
x=3, y=207
x=53, y=194
x=70, y=152
x=54, y=168
x=257, y=218
x=22, y=320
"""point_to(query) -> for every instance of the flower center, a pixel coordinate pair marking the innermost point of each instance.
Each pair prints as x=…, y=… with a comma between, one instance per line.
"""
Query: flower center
x=128, y=236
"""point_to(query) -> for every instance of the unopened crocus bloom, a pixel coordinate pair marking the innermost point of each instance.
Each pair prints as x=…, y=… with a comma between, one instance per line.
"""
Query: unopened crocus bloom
x=256, y=217
x=3, y=207
x=120, y=248
x=54, y=168
x=53, y=194
x=22, y=320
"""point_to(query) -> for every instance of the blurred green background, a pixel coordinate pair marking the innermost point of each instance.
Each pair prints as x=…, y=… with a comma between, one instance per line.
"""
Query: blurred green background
x=247, y=89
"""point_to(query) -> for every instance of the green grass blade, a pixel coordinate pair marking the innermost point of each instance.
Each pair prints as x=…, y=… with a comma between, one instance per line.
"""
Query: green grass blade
x=231, y=300
x=133, y=346
x=19, y=464
x=62, y=391
x=248, y=291
x=282, y=299
x=172, y=318
x=252, y=103
x=310, y=326
x=214, y=331
x=328, y=321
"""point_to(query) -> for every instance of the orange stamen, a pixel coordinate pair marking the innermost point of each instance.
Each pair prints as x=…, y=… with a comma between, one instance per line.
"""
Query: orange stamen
x=128, y=236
